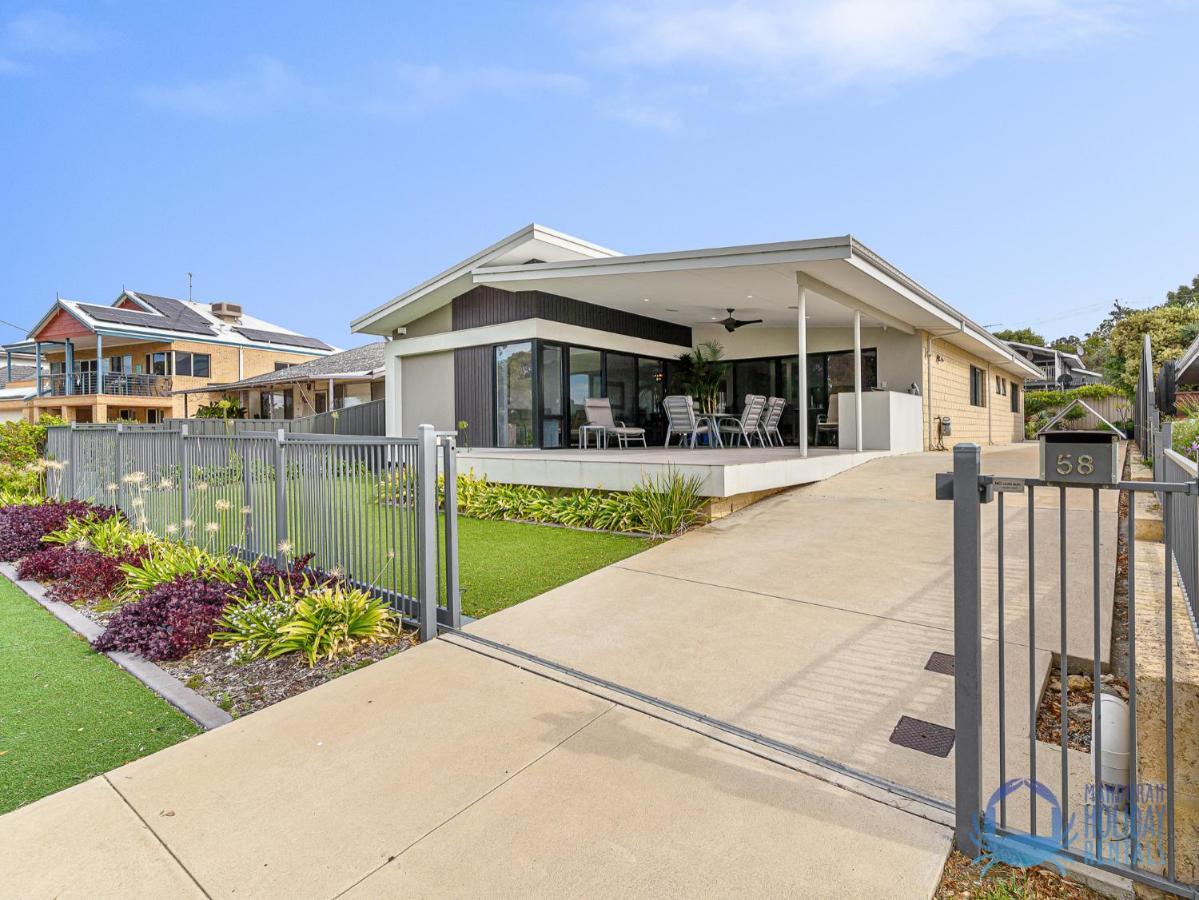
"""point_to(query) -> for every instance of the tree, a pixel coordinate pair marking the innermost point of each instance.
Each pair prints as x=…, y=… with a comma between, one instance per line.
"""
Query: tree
x=1068, y=344
x=1096, y=349
x=1186, y=295
x=1171, y=328
x=702, y=372
x=1021, y=336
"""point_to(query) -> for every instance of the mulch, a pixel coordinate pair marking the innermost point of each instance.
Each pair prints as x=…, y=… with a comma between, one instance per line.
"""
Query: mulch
x=962, y=879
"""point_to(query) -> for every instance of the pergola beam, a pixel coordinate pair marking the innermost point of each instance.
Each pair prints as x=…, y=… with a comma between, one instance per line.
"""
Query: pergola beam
x=848, y=300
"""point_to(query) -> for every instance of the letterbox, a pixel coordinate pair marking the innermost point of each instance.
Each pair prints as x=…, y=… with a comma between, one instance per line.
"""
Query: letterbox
x=1079, y=457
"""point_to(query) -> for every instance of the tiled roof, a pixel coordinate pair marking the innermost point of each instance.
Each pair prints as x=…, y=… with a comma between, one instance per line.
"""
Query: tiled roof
x=355, y=361
x=19, y=373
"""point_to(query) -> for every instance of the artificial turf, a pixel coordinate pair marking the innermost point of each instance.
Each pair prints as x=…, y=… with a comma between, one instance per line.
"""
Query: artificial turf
x=66, y=712
x=502, y=563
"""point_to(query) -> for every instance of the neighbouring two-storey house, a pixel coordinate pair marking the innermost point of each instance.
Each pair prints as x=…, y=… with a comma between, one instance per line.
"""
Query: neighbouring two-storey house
x=1060, y=369
x=131, y=360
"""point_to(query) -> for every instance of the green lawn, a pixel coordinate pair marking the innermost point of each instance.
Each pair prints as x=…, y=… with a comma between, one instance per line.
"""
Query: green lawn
x=503, y=563
x=67, y=713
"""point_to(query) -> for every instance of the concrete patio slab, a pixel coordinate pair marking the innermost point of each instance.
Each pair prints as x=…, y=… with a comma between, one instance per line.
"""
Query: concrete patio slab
x=86, y=842
x=635, y=807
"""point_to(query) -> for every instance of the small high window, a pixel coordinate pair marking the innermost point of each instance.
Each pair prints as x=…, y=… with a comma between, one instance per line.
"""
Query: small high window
x=1015, y=397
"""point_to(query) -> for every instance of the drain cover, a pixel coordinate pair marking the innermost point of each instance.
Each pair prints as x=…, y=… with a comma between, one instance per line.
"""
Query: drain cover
x=927, y=737
x=941, y=663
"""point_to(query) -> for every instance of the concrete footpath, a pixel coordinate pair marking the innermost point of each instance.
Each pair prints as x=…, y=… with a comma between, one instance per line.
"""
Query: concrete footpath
x=456, y=770
x=443, y=773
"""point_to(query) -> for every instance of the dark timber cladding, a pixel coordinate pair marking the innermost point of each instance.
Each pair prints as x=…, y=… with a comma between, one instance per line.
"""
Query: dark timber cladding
x=485, y=305
x=473, y=401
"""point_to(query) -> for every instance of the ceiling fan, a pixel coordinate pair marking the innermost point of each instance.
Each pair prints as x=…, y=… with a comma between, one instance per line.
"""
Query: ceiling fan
x=731, y=324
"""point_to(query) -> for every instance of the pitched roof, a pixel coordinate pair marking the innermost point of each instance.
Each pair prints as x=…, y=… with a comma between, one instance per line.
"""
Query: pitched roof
x=184, y=318
x=357, y=362
x=19, y=373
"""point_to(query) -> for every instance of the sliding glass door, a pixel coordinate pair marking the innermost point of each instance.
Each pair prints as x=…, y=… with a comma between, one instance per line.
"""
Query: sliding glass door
x=553, y=418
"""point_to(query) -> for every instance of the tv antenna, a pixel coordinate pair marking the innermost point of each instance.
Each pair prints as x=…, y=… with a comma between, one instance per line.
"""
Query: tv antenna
x=189, y=287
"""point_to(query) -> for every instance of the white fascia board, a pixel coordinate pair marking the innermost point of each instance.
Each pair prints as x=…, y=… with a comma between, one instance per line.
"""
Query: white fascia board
x=69, y=308
x=820, y=249
x=1187, y=359
x=532, y=231
x=532, y=329
x=874, y=265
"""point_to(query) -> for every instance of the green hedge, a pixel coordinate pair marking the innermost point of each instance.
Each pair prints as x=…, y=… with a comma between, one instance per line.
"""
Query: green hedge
x=1042, y=401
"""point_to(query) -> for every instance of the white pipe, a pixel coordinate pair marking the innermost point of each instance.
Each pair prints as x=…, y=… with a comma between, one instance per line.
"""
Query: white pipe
x=1112, y=714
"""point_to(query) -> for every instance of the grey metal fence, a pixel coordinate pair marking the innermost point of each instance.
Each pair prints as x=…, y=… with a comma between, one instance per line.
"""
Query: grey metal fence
x=1125, y=827
x=365, y=507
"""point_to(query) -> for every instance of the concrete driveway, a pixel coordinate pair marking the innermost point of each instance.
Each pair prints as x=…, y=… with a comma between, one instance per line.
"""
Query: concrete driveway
x=456, y=770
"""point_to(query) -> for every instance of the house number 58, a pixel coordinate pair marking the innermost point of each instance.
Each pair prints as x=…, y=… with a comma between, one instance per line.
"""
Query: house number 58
x=1066, y=464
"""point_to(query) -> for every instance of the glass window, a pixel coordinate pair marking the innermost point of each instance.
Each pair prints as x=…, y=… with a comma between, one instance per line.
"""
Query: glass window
x=277, y=404
x=978, y=391
x=514, y=395
x=586, y=380
x=158, y=363
x=320, y=401
x=621, y=389
x=753, y=376
x=1015, y=395
x=651, y=389
x=553, y=422
x=198, y=365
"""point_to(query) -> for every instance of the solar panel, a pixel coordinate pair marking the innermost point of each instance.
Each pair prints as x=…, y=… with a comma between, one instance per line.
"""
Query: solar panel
x=175, y=310
x=278, y=337
x=144, y=319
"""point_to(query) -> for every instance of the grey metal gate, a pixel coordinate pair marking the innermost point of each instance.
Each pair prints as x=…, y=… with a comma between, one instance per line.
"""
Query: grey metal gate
x=1131, y=832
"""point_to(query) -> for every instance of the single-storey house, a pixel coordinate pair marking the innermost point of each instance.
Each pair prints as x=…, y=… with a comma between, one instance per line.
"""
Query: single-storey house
x=514, y=339
x=338, y=381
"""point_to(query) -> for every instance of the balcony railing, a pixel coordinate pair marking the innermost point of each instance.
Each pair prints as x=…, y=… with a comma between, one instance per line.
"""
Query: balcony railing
x=121, y=384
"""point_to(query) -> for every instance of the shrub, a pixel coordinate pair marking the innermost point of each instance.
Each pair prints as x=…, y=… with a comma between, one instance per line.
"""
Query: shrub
x=169, y=622
x=661, y=505
x=22, y=526
x=169, y=560
x=1185, y=436
x=78, y=573
x=332, y=621
x=21, y=446
x=112, y=536
x=1051, y=401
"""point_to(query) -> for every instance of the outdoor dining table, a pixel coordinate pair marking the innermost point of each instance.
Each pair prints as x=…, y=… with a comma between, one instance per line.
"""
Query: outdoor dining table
x=713, y=420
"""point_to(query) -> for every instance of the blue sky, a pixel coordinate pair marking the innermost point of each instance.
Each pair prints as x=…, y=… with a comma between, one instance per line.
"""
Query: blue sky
x=1028, y=160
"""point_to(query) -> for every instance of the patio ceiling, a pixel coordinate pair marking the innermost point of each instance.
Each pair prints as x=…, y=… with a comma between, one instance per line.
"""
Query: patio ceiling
x=759, y=281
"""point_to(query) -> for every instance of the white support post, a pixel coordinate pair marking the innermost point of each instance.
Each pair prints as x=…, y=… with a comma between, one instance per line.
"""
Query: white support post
x=857, y=379
x=802, y=363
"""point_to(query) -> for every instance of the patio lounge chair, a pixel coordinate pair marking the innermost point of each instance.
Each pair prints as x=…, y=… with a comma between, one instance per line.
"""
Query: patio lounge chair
x=599, y=412
x=680, y=419
x=769, y=426
x=746, y=427
x=827, y=423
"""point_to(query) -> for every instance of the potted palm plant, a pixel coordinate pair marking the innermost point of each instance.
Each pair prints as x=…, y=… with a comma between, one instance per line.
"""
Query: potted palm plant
x=702, y=373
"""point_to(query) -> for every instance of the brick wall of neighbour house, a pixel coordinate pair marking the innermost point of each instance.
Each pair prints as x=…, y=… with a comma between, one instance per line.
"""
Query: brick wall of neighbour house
x=946, y=385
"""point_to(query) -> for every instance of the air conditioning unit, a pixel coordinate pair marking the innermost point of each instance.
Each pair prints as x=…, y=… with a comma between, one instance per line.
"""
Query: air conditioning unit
x=228, y=311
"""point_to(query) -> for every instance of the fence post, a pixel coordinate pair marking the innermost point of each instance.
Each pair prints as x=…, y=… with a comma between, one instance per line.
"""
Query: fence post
x=426, y=480
x=453, y=598
x=72, y=448
x=116, y=464
x=184, y=477
x=281, y=495
x=967, y=647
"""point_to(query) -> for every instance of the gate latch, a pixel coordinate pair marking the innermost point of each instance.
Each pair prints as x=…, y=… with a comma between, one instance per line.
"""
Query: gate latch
x=986, y=491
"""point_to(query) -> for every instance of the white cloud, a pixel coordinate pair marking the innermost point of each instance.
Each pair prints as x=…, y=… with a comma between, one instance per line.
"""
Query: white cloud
x=267, y=85
x=44, y=31
x=808, y=44
x=405, y=88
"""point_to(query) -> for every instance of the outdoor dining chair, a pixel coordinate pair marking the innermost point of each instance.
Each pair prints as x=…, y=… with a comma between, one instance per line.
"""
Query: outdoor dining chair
x=826, y=423
x=746, y=427
x=769, y=426
x=599, y=412
x=680, y=419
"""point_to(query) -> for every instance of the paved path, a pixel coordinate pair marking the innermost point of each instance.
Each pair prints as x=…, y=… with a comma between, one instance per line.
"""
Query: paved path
x=446, y=772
